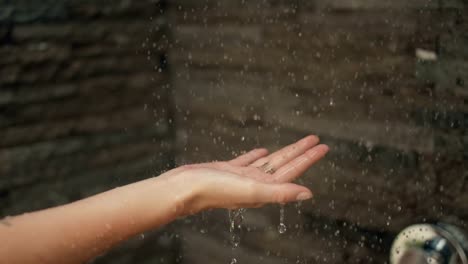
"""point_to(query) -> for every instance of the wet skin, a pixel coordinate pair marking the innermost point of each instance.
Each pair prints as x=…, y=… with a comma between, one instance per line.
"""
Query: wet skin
x=80, y=231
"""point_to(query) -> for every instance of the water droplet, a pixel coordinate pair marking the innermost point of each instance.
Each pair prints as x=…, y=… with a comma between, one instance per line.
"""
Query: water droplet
x=282, y=227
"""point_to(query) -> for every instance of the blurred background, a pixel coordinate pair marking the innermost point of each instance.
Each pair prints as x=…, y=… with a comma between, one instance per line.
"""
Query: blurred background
x=95, y=94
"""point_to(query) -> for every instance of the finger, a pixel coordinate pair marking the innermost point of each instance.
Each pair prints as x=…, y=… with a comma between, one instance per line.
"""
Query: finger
x=227, y=190
x=281, y=193
x=286, y=154
x=299, y=165
x=249, y=157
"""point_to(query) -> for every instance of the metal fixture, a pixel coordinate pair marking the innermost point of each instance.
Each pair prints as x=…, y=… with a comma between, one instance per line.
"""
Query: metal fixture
x=430, y=244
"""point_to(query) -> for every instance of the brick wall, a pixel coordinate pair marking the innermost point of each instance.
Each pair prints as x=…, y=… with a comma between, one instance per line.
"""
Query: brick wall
x=383, y=83
x=82, y=109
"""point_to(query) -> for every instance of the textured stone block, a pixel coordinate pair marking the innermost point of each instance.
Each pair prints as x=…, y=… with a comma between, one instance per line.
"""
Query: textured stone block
x=349, y=71
x=83, y=109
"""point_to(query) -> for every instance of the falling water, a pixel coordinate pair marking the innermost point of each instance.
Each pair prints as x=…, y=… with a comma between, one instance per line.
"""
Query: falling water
x=301, y=259
x=236, y=217
x=282, y=227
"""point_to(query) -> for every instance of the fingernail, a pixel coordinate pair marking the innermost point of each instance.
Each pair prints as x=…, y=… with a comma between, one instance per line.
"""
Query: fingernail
x=325, y=147
x=303, y=196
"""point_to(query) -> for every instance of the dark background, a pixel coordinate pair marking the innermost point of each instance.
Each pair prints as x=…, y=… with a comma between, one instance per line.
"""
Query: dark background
x=96, y=94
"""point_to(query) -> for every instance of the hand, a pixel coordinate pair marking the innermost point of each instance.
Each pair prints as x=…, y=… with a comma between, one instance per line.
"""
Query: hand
x=103, y=220
x=252, y=179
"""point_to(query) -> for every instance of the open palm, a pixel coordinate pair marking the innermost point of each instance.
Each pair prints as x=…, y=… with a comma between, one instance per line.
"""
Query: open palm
x=255, y=178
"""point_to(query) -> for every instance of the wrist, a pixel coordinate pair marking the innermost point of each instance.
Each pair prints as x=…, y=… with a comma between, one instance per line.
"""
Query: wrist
x=187, y=192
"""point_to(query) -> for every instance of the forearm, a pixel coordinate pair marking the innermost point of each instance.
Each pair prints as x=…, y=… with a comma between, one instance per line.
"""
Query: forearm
x=77, y=232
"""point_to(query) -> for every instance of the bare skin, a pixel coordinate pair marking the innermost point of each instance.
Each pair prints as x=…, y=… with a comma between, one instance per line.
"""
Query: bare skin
x=80, y=231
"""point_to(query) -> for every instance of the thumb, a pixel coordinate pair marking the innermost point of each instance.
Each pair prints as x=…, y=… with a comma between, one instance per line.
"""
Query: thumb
x=282, y=193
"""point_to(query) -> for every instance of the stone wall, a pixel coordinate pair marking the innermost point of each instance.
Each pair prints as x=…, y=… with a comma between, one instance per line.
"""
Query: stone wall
x=82, y=108
x=382, y=82
x=96, y=94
